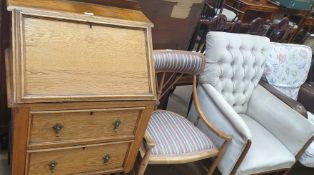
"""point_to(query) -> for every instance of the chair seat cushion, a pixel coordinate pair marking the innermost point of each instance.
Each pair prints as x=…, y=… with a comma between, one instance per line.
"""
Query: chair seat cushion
x=266, y=152
x=174, y=135
x=307, y=159
x=229, y=14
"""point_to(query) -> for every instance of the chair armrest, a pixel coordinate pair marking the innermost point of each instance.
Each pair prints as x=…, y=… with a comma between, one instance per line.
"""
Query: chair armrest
x=295, y=105
x=221, y=115
x=179, y=61
x=293, y=130
x=203, y=117
x=306, y=96
x=149, y=141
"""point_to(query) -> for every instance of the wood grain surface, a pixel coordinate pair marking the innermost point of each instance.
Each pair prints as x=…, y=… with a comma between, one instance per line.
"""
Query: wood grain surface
x=65, y=6
x=82, y=67
x=81, y=159
x=83, y=125
x=69, y=59
x=19, y=128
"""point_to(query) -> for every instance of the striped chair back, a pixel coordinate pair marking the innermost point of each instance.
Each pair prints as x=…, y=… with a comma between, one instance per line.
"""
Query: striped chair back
x=171, y=65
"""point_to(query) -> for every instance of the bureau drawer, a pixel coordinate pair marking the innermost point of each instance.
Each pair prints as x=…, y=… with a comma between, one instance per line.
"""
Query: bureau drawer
x=70, y=126
x=59, y=60
x=83, y=159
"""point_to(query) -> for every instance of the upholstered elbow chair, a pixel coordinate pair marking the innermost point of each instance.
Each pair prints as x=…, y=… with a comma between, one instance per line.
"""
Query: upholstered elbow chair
x=171, y=138
x=267, y=135
x=287, y=68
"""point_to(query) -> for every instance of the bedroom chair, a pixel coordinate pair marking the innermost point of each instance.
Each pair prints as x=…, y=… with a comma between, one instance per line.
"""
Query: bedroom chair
x=267, y=135
x=287, y=68
x=171, y=138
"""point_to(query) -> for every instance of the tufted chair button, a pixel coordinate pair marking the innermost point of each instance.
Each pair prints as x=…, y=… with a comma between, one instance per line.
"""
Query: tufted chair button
x=229, y=47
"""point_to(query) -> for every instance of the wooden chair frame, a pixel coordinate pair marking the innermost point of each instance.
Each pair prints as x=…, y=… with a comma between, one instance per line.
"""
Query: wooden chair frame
x=258, y=26
x=145, y=151
x=215, y=7
x=281, y=32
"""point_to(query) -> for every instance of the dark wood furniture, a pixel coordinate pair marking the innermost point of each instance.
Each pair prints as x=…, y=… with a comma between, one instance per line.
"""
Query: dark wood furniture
x=174, y=21
x=281, y=32
x=174, y=24
x=258, y=26
x=4, y=42
x=305, y=26
x=253, y=9
x=217, y=23
x=311, y=73
x=215, y=7
x=131, y=4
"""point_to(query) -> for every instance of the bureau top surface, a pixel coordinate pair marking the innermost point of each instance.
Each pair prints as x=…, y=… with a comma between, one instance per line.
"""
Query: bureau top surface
x=81, y=8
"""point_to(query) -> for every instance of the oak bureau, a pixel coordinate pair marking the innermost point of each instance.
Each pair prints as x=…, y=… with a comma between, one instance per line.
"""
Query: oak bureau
x=81, y=86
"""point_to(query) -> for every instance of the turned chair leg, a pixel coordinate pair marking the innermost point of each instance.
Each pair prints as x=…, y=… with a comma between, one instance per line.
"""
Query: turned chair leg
x=144, y=162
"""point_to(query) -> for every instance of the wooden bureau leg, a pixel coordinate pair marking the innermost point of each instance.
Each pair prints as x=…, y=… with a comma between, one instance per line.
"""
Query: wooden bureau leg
x=20, y=122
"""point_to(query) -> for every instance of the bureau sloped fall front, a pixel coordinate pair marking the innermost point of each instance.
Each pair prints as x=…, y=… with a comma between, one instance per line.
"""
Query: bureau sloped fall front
x=80, y=84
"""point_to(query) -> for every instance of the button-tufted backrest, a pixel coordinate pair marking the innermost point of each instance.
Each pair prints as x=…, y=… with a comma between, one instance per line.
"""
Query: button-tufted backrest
x=234, y=65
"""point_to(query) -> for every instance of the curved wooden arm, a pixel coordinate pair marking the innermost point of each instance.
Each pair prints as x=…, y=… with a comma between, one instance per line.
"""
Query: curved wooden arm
x=306, y=96
x=202, y=116
x=149, y=141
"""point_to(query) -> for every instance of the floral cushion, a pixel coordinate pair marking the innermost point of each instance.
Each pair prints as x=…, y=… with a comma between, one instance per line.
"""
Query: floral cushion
x=307, y=159
x=287, y=67
x=174, y=135
x=179, y=61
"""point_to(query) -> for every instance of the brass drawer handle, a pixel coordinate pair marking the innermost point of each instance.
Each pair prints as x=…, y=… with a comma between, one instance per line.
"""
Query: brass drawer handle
x=52, y=166
x=106, y=158
x=116, y=124
x=57, y=128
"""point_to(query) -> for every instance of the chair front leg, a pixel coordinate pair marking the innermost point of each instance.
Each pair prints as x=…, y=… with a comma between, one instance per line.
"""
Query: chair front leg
x=144, y=161
x=218, y=158
x=148, y=149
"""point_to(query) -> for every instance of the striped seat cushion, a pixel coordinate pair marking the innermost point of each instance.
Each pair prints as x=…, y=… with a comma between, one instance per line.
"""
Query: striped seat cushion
x=179, y=61
x=174, y=135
